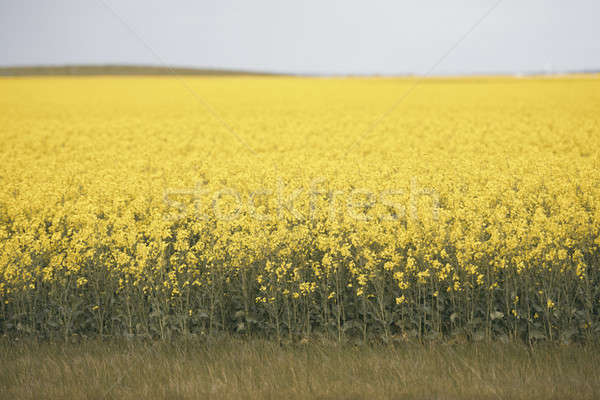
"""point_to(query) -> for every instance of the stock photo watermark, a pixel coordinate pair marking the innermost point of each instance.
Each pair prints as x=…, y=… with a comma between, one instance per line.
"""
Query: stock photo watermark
x=316, y=201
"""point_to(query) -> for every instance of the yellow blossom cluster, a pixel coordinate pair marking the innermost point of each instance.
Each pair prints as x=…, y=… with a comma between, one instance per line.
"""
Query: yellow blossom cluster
x=275, y=205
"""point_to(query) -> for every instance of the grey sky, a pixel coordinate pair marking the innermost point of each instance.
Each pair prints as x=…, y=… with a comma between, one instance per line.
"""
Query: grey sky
x=310, y=36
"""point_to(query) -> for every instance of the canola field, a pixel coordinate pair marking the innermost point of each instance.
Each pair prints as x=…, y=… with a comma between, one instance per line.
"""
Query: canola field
x=290, y=207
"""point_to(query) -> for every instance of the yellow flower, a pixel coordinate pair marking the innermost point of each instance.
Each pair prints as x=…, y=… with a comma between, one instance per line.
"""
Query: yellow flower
x=141, y=202
x=81, y=281
x=562, y=254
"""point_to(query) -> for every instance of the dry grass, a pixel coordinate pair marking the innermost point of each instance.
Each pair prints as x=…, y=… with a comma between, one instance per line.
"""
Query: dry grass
x=255, y=369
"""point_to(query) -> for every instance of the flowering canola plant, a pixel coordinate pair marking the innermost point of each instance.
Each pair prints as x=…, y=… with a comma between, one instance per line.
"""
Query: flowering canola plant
x=129, y=207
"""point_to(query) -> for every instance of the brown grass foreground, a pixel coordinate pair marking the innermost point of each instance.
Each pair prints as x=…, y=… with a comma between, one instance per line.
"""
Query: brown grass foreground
x=256, y=369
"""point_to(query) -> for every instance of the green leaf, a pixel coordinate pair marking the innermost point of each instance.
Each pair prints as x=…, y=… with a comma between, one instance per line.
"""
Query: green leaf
x=453, y=317
x=538, y=335
x=496, y=315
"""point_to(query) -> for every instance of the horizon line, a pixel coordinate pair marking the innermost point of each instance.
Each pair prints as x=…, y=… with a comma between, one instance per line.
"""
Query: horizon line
x=157, y=70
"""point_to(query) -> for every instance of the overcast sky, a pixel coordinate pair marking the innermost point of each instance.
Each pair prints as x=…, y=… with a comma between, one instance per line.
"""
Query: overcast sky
x=309, y=36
